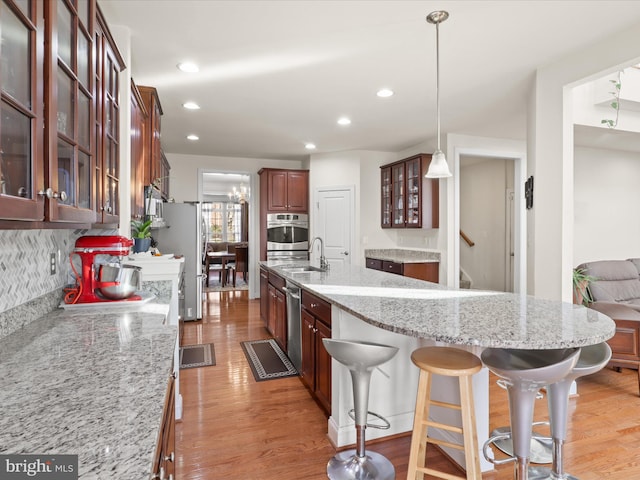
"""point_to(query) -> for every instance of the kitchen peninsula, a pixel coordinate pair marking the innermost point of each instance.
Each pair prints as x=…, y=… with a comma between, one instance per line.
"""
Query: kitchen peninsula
x=91, y=382
x=379, y=307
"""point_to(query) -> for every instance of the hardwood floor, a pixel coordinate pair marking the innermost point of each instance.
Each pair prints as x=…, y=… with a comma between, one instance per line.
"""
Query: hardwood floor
x=236, y=428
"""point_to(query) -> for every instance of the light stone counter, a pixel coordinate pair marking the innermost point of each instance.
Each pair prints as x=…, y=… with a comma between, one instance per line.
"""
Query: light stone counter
x=400, y=255
x=463, y=317
x=89, y=382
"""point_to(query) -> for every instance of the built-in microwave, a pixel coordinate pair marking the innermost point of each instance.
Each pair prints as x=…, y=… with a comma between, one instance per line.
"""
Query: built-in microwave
x=287, y=232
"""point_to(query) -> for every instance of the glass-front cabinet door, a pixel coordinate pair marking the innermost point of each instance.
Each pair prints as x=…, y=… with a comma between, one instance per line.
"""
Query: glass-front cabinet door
x=21, y=141
x=109, y=64
x=397, y=189
x=414, y=201
x=69, y=110
x=385, y=221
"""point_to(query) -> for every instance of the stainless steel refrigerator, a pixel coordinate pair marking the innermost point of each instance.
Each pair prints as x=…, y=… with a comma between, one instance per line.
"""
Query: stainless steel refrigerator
x=184, y=235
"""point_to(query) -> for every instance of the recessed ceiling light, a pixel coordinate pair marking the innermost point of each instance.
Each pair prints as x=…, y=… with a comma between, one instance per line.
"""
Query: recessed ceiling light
x=310, y=146
x=344, y=121
x=191, y=106
x=188, y=67
x=384, y=92
x=193, y=137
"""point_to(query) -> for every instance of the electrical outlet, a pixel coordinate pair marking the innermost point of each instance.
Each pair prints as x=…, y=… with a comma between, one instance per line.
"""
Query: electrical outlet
x=53, y=263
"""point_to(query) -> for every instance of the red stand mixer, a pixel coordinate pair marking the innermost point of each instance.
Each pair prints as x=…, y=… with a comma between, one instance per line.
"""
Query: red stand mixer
x=92, y=284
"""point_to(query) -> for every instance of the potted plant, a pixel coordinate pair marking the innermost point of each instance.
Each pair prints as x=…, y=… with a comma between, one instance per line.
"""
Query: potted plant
x=141, y=233
x=581, y=292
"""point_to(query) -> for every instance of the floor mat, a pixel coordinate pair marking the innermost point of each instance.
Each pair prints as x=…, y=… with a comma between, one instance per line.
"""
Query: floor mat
x=201, y=355
x=267, y=360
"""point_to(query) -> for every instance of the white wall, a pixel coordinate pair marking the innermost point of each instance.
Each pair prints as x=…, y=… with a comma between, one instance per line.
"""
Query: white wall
x=550, y=157
x=606, y=225
x=184, y=180
x=483, y=185
x=361, y=169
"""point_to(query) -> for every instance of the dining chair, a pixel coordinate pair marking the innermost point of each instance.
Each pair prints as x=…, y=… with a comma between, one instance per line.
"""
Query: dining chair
x=241, y=263
x=213, y=264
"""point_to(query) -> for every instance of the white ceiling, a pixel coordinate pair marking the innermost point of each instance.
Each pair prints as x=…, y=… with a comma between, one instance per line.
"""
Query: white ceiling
x=277, y=74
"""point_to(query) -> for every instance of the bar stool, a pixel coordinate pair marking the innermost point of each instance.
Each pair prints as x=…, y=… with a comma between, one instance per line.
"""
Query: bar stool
x=360, y=358
x=450, y=362
x=592, y=359
x=526, y=372
x=541, y=445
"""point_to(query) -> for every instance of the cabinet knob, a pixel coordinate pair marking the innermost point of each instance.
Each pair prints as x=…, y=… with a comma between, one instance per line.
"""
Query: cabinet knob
x=315, y=330
x=49, y=193
x=314, y=305
x=345, y=253
x=170, y=458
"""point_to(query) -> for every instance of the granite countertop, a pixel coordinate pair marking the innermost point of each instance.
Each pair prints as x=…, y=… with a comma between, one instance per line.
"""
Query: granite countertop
x=400, y=255
x=89, y=382
x=464, y=317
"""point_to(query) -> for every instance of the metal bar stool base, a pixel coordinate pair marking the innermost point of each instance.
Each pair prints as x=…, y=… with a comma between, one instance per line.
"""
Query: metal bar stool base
x=545, y=473
x=347, y=465
x=541, y=447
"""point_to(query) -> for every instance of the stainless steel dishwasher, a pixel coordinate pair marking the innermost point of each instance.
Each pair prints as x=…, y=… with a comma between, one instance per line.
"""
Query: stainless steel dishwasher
x=294, y=339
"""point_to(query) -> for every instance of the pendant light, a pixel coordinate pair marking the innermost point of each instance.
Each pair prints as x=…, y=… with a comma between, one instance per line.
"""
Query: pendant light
x=438, y=167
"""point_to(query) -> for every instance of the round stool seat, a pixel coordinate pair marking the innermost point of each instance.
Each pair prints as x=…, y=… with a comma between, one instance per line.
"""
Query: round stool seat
x=356, y=355
x=451, y=362
x=531, y=366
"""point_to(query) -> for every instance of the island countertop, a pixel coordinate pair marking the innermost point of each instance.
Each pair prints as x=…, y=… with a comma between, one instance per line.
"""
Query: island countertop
x=88, y=382
x=456, y=316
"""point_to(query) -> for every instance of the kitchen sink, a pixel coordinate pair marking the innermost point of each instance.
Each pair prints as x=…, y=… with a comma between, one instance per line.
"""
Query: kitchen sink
x=305, y=268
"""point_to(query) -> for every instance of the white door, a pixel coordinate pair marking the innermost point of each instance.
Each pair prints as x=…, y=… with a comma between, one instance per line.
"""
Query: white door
x=334, y=223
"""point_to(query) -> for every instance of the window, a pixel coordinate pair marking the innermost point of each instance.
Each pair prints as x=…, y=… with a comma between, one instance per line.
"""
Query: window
x=223, y=221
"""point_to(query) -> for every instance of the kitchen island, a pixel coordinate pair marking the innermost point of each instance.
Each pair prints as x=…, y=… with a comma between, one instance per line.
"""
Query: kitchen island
x=89, y=382
x=384, y=308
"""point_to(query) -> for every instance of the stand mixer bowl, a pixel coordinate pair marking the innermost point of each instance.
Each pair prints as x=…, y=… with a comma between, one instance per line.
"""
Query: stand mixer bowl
x=127, y=278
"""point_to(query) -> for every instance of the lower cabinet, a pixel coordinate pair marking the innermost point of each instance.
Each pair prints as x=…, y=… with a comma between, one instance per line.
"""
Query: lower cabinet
x=316, y=362
x=163, y=461
x=264, y=296
x=427, y=271
x=277, y=310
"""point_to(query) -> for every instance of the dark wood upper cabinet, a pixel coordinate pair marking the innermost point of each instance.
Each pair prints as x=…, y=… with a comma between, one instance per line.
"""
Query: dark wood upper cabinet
x=21, y=113
x=59, y=148
x=69, y=110
x=109, y=64
x=408, y=200
x=288, y=190
x=152, y=147
x=139, y=117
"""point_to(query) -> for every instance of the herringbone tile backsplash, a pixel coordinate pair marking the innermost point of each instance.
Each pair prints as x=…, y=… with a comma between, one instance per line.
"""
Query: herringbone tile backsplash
x=24, y=263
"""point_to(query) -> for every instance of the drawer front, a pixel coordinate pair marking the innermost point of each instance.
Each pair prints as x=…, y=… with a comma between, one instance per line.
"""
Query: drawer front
x=374, y=263
x=276, y=280
x=625, y=342
x=393, y=267
x=319, y=308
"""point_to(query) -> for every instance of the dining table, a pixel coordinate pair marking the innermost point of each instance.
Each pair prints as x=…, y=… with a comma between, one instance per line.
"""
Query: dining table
x=224, y=257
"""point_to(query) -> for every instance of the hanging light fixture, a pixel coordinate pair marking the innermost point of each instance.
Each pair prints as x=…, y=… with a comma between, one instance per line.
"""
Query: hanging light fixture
x=438, y=167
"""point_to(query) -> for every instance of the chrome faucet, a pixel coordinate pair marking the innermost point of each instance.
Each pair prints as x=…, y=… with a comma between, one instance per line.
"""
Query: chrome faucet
x=323, y=261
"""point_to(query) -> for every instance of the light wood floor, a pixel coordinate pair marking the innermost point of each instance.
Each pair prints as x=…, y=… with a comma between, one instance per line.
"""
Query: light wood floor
x=236, y=428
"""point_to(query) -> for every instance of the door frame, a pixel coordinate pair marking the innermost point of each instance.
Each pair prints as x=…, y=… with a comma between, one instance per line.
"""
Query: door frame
x=462, y=145
x=315, y=207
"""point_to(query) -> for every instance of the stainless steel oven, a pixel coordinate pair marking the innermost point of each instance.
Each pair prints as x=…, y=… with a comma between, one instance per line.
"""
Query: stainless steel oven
x=287, y=235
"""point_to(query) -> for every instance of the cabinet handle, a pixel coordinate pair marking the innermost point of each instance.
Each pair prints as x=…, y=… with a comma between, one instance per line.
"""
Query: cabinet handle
x=170, y=458
x=49, y=193
x=315, y=330
x=310, y=327
x=345, y=253
x=314, y=305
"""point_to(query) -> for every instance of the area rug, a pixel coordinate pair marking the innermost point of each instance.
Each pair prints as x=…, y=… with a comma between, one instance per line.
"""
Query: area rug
x=214, y=286
x=201, y=355
x=267, y=360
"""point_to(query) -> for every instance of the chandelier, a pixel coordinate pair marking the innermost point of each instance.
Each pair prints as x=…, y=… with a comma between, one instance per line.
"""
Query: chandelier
x=240, y=195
